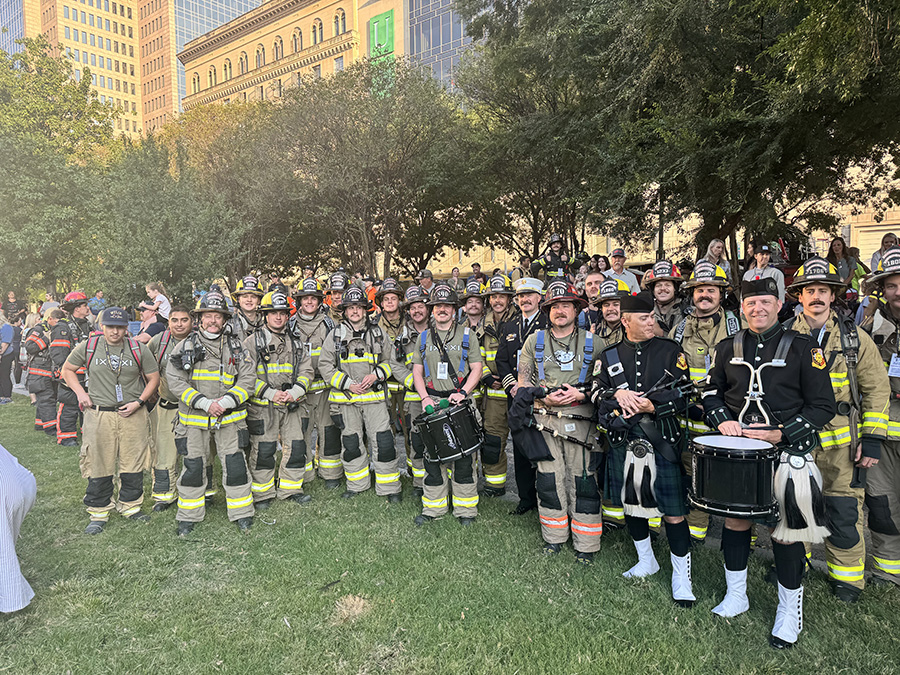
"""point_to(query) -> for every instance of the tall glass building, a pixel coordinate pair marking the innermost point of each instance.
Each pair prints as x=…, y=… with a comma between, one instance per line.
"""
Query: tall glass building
x=12, y=25
x=437, y=37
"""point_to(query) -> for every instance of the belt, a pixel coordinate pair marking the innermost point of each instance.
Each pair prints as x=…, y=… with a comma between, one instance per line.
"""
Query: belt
x=105, y=408
x=168, y=405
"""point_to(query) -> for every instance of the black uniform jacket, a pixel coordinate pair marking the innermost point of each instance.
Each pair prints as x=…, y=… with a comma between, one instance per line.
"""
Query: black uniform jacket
x=643, y=364
x=798, y=396
x=512, y=336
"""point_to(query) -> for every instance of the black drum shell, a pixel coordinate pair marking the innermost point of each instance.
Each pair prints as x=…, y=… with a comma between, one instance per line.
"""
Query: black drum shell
x=733, y=482
x=450, y=433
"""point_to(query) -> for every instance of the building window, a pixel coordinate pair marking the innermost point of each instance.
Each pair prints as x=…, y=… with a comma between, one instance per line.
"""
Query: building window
x=84, y=37
x=66, y=12
x=108, y=45
x=260, y=56
x=93, y=40
x=211, y=77
x=91, y=19
x=340, y=22
x=83, y=17
x=339, y=64
x=68, y=33
x=277, y=49
x=260, y=93
x=226, y=70
x=297, y=40
x=318, y=31
x=243, y=63
x=195, y=83
x=94, y=61
x=106, y=21
x=317, y=72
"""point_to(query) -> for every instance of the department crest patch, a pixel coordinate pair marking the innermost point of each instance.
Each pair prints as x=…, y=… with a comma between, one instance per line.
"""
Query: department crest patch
x=818, y=358
x=682, y=362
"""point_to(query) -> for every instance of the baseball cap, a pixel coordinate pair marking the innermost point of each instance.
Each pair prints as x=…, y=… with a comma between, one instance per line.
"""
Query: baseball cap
x=113, y=316
x=617, y=253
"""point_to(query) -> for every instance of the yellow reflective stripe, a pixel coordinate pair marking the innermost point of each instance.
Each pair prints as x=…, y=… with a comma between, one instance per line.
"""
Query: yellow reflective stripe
x=316, y=352
x=614, y=512
x=874, y=420
x=357, y=475
x=497, y=393
x=239, y=502
x=698, y=374
x=263, y=487
x=206, y=421
x=131, y=511
x=385, y=368
x=408, y=381
x=839, y=436
x=434, y=503
x=839, y=380
x=272, y=368
x=697, y=532
x=190, y=395
x=893, y=429
x=655, y=522
x=329, y=463
x=260, y=385
x=465, y=501
x=889, y=566
x=211, y=492
x=386, y=478
x=339, y=396
x=286, y=484
x=212, y=376
x=418, y=473
x=395, y=387
x=485, y=371
x=308, y=466
x=412, y=396
x=97, y=515
x=337, y=380
x=693, y=426
x=190, y=504
x=317, y=385
x=364, y=358
x=490, y=355
x=242, y=394
x=163, y=496
x=303, y=381
x=259, y=401
x=846, y=573
x=497, y=479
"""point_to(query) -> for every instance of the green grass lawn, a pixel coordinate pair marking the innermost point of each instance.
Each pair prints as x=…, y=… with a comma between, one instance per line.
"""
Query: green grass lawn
x=340, y=586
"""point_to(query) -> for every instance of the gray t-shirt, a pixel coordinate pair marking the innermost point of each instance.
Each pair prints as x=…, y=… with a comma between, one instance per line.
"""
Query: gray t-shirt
x=111, y=365
x=767, y=272
x=626, y=276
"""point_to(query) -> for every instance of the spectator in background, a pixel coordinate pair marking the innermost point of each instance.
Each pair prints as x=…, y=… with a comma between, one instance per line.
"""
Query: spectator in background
x=603, y=263
x=715, y=253
x=158, y=300
x=7, y=358
x=49, y=303
x=97, y=303
x=619, y=272
x=455, y=281
x=150, y=325
x=840, y=257
x=762, y=269
x=750, y=259
x=13, y=308
x=478, y=274
x=17, y=346
x=888, y=240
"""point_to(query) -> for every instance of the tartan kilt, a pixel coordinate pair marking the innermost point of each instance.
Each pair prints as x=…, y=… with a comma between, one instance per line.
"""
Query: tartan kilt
x=670, y=487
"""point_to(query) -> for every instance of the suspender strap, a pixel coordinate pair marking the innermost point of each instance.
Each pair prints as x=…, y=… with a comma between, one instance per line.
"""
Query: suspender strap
x=732, y=323
x=90, y=349
x=423, y=338
x=738, y=345
x=163, y=345
x=784, y=346
x=679, y=331
x=587, y=358
x=539, y=354
x=465, y=351
x=850, y=347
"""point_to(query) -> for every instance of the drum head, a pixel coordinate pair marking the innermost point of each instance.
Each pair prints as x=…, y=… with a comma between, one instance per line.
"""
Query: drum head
x=722, y=442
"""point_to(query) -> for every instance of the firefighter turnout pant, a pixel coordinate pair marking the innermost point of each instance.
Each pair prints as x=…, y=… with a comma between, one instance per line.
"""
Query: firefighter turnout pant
x=230, y=441
x=883, y=500
x=164, y=456
x=496, y=433
x=114, y=445
x=367, y=420
x=845, y=548
x=567, y=490
x=456, y=481
x=44, y=390
x=67, y=415
x=266, y=425
x=327, y=442
x=415, y=449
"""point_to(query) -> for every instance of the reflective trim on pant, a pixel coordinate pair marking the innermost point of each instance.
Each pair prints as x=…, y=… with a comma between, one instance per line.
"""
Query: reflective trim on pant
x=325, y=446
x=883, y=500
x=415, y=451
x=192, y=483
x=369, y=420
x=163, y=424
x=114, y=445
x=496, y=431
x=567, y=489
x=457, y=478
x=67, y=422
x=266, y=425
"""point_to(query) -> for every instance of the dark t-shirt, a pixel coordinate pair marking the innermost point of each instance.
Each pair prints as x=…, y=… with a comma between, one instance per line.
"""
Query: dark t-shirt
x=154, y=328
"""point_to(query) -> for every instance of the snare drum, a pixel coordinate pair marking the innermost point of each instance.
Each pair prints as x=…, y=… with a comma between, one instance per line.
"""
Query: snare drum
x=450, y=433
x=733, y=476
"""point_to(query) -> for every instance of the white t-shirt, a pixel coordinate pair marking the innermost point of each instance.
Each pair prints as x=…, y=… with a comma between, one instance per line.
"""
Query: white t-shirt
x=626, y=276
x=164, y=306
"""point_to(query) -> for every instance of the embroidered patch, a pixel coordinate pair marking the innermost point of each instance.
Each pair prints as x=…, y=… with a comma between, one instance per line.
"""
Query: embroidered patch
x=701, y=350
x=682, y=361
x=818, y=358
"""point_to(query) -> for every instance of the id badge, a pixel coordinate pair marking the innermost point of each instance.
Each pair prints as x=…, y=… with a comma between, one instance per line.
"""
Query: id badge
x=119, y=397
x=894, y=368
x=568, y=366
x=442, y=372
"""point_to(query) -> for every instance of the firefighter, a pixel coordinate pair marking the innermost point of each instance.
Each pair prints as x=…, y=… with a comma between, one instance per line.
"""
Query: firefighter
x=66, y=335
x=278, y=409
x=41, y=381
x=248, y=318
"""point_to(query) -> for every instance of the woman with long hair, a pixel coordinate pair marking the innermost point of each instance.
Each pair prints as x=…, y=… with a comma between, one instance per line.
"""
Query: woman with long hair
x=158, y=300
x=840, y=257
x=715, y=253
x=888, y=240
x=603, y=264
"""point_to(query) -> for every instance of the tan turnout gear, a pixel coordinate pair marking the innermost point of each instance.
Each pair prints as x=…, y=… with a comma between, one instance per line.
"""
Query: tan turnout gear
x=164, y=424
x=282, y=365
x=496, y=426
x=347, y=357
x=401, y=358
x=222, y=370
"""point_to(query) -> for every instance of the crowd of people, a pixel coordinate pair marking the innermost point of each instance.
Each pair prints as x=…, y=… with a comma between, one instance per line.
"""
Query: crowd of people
x=642, y=402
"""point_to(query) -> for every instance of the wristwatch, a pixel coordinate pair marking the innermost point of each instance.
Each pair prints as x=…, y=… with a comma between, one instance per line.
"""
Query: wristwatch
x=141, y=402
